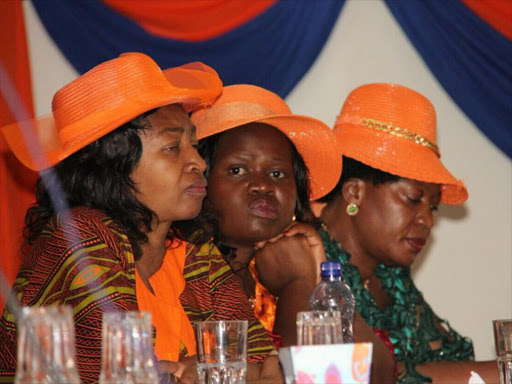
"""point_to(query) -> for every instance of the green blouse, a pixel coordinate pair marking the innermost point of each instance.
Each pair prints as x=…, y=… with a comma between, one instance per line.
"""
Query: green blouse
x=409, y=320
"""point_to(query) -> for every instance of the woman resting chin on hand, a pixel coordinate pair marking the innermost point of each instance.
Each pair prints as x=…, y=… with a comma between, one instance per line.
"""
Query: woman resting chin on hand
x=261, y=161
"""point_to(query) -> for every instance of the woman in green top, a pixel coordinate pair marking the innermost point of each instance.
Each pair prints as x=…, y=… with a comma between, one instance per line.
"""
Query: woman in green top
x=379, y=217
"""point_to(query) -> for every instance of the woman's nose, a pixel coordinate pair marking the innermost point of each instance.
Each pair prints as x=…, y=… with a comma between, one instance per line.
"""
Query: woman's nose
x=196, y=163
x=426, y=216
x=260, y=184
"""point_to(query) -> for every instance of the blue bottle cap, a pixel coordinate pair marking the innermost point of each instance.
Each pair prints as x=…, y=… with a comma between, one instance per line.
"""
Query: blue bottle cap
x=331, y=268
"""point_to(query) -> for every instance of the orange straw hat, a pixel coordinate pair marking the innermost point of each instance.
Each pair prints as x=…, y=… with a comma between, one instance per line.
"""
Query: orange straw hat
x=243, y=104
x=393, y=128
x=102, y=100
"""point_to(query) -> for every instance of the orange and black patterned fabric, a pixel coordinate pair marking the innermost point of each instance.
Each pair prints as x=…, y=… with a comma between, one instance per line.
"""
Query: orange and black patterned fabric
x=213, y=292
x=84, y=259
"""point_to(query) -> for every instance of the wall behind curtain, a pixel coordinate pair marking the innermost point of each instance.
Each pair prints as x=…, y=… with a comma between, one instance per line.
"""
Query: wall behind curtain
x=468, y=259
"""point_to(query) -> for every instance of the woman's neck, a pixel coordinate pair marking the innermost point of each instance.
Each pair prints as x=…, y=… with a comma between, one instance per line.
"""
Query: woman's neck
x=239, y=257
x=341, y=227
x=153, y=251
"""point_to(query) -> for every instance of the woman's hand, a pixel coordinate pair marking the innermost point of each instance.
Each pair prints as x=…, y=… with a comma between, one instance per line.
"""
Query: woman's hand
x=288, y=266
x=284, y=261
x=296, y=229
x=185, y=369
x=268, y=372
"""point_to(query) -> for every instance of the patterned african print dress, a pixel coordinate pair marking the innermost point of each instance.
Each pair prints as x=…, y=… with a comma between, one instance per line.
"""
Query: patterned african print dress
x=84, y=260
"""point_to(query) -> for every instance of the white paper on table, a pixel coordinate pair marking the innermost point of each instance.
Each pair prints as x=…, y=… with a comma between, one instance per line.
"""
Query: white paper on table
x=475, y=378
x=333, y=363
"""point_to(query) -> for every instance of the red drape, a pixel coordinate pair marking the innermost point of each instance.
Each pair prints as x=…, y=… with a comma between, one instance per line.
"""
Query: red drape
x=497, y=13
x=189, y=20
x=16, y=181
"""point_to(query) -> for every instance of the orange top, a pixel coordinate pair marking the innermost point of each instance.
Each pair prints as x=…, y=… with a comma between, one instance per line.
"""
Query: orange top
x=173, y=328
x=264, y=302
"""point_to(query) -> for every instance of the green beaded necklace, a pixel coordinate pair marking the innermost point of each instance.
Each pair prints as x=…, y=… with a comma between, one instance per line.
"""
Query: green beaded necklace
x=410, y=322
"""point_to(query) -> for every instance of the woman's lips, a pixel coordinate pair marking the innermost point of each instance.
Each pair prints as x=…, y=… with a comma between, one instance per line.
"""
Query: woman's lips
x=416, y=243
x=198, y=188
x=264, y=208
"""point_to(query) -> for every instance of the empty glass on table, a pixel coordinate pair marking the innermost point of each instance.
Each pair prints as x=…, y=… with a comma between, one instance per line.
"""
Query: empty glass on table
x=127, y=345
x=221, y=351
x=46, y=346
x=319, y=327
x=503, y=343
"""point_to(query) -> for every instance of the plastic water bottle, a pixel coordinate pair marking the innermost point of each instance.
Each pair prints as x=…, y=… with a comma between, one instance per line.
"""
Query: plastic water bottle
x=332, y=294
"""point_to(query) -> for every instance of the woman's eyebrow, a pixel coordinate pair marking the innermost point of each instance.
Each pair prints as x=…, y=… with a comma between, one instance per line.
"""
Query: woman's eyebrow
x=171, y=130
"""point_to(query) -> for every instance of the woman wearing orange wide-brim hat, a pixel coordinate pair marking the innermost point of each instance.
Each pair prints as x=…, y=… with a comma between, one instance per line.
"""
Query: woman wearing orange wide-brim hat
x=379, y=217
x=119, y=167
x=264, y=164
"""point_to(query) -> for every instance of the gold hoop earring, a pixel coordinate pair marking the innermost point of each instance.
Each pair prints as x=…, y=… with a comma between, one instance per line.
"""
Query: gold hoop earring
x=352, y=209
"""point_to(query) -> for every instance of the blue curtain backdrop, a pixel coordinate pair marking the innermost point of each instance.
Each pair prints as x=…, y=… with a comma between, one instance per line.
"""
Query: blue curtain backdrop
x=471, y=60
x=273, y=50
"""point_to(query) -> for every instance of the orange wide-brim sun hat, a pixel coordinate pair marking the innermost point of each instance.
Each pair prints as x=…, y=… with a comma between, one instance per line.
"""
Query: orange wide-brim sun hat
x=103, y=99
x=393, y=128
x=243, y=104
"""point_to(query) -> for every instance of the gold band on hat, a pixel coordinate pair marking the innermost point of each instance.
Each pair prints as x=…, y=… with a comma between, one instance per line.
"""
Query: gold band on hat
x=401, y=132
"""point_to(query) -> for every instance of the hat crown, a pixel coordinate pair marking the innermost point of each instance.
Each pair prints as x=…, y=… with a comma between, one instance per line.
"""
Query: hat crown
x=106, y=86
x=252, y=94
x=390, y=104
x=244, y=104
x=393, y=128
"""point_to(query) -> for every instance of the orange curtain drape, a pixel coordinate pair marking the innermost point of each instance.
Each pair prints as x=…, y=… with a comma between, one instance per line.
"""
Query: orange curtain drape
x=189, y=20
x=497, y=13
x=16, y=181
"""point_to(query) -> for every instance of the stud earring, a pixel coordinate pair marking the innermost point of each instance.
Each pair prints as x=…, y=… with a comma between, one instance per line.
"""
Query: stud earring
x=352, y=209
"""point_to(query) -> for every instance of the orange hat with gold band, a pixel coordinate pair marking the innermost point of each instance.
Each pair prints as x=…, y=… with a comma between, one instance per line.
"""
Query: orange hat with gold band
x=393, y=128
x=103, y=99
x=243, y=104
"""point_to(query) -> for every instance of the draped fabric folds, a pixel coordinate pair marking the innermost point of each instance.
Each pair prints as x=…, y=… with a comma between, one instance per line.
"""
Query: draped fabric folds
x=274, y=49
x=16, y=182
x=471, y=60
x=189, y=20
x=497, y=13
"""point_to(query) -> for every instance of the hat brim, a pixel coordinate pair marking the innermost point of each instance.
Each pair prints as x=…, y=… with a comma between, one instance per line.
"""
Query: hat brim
x=38, y=145
x=312, y=139
x=400, y=157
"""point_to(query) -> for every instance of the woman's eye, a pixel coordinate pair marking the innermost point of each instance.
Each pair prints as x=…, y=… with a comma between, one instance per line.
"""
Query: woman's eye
x=434, y=208
x=237, y=171
x=277, y=174
x=414, y=199
x=172, y=147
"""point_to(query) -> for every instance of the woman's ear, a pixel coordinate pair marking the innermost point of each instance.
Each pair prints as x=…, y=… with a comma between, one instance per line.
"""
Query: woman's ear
x=353, y=191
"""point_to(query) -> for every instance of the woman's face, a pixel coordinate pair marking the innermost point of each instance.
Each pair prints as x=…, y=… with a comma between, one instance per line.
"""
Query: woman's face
x=252, y=185
x=169, y=176
x=395, y=219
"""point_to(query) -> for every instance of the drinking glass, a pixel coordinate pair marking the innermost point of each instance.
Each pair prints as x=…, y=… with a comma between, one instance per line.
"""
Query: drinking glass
x=319, y=327
x=503, y=343
x=127, y=349
x=221, y=351
x=46, y=346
